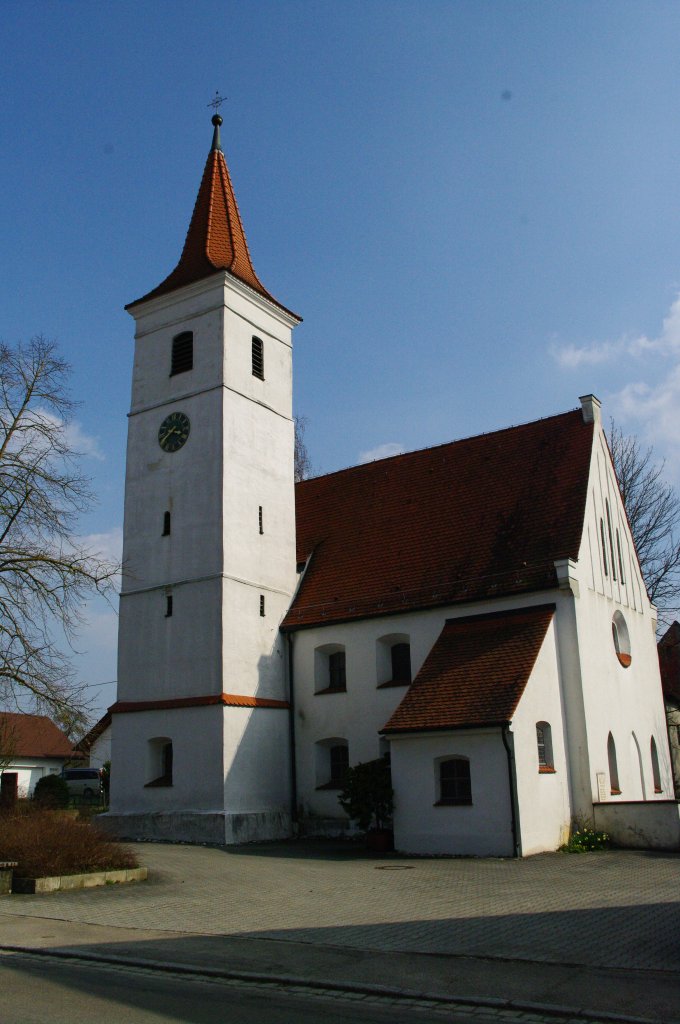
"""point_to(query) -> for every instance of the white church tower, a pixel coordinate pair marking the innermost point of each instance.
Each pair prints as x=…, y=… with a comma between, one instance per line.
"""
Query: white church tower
x=201, y=724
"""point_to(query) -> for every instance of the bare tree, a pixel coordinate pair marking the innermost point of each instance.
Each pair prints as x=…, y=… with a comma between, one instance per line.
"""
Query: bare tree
x=45, y=573
x=653, y=509
x=303, y=463
x=8, y=743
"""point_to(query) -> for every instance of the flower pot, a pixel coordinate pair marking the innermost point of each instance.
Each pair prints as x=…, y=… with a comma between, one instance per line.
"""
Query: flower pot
x=380, y=840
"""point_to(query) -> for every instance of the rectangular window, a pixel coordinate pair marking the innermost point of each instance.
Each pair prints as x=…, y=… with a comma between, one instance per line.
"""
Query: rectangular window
x=182, y=353
x=455, y=785
x=168, y=605
x=258, y=358
x=166, y=524
x=260, y=519
x=262, y=605
x=401, y=663
x=339, y=758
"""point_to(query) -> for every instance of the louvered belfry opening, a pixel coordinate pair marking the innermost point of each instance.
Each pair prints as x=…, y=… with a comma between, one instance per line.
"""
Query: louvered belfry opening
x=182, y=353
x=258, y=358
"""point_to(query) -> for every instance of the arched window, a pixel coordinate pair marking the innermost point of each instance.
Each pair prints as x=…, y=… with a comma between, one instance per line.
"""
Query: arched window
x=393, y=660
x=656, y=774
x=544, y=746
x=182, y=353
x=330, y=675
x=611, y=542
x=613, y=767
x=258, y=358
x=604, y=548
x=455, y=784
x=332, y=762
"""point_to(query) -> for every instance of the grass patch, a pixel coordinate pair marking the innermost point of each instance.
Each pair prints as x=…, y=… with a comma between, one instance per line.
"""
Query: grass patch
x=47, y=843
x=584, y=839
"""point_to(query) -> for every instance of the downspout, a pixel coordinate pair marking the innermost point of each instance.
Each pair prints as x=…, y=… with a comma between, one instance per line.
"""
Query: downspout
x=291, y=733
x=509, y=744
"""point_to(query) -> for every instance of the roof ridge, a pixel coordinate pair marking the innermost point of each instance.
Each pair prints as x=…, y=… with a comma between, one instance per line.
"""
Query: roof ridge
x=442, y=444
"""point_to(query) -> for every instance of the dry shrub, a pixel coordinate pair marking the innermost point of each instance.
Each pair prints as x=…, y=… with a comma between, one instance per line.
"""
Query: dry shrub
x=46, y=843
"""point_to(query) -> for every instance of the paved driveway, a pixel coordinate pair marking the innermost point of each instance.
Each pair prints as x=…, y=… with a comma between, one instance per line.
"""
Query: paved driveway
x=607, y=909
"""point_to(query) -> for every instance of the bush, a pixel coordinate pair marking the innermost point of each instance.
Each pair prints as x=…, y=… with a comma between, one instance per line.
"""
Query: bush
x=584, y=839
x=46, y=843
x=51, y=791
x=367, y=794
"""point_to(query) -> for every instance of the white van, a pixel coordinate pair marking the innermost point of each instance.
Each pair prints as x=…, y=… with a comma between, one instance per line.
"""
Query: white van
x=84, y=783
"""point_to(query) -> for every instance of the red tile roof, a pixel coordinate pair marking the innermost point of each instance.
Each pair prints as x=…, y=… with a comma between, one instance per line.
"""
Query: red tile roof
x=215, y=239
x=669, y=661
x=32, y=736
x=476, y=672
x=479, y=518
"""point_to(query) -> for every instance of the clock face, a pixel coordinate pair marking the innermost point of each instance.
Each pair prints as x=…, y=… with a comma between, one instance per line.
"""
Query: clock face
x=173, y=431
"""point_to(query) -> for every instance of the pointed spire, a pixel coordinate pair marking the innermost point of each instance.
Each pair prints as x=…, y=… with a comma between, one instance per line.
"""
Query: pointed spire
x=215, y=239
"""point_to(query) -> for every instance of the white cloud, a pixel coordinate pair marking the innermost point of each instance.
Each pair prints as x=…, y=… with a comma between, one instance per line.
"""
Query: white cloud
x=570, y=357
x=108, y=545
x=655, y=411
x=82, y=443
x=382, y=451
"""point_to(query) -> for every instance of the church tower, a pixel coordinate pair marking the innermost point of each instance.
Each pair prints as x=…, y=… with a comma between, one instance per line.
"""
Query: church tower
x=201, y=724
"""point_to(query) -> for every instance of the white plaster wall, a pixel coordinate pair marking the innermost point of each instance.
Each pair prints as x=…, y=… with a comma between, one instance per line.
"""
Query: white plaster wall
x=198, y=779
x=483, y=828
x=256, y=748
x=626, y=701
x=254, y=655
x=162, y=657
x=100, y=751
x=29, y=770
x=648, y=825
x=545, y=811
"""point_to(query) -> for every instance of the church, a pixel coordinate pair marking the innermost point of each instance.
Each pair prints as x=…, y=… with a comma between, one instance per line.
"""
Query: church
x=474, y=610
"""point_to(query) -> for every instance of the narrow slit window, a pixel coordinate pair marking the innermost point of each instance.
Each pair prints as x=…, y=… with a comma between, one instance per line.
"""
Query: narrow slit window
x=262, y=605
x=604, y=548
x=168, y=605
x=613, y=766
x=166, y=524
x=258, y=358
x=182, y=353
x=611, y=542
x=618, y=549
x=260, y=519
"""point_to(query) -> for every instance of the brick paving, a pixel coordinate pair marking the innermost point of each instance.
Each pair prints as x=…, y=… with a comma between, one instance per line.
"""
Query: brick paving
x=614, y=909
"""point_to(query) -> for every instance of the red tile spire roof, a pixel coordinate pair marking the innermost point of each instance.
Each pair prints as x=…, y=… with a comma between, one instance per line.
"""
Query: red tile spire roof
x=215, y=239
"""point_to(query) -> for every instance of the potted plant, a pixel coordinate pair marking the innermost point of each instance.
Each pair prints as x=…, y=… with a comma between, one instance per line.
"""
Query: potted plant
x=367, y=798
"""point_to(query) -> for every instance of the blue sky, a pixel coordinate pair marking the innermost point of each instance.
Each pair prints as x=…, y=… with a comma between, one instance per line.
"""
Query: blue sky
x=475, y=206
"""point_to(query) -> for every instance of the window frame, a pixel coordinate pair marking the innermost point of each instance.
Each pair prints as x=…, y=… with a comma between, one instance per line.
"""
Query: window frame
x=182, y=352
x=455, y=790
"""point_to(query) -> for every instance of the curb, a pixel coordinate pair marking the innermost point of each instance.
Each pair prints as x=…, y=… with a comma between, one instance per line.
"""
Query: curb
x=351, y=988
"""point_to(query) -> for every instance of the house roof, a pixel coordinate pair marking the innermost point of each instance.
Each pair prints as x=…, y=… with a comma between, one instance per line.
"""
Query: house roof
x=95, y=732
x=669, y=661
x=215, y=240
x=32, y=736
x=479, y=518
x=476, y=672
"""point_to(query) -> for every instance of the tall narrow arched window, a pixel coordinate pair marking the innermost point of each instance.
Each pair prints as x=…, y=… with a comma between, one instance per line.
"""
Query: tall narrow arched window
x=258, y=358
x=656, y=774
x=182, y=353
x=611, y=540
x=604, y=548
x=618, y=549
x=613, y=766
x=544, y=747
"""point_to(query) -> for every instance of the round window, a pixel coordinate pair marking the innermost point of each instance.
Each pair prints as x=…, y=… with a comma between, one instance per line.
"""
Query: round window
x=621, y=639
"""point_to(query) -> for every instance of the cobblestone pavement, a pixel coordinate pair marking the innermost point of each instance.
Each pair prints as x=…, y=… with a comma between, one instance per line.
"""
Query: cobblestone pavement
x=613, y=909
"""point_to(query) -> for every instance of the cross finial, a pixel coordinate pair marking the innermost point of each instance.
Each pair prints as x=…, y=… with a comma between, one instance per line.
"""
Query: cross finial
x=217, y=102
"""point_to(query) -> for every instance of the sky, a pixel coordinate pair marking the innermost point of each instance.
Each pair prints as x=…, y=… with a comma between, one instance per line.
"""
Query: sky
x=474, y=205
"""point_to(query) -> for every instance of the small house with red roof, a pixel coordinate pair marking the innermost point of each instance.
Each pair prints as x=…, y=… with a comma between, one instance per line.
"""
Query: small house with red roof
x=31, y=746
x=475, y=610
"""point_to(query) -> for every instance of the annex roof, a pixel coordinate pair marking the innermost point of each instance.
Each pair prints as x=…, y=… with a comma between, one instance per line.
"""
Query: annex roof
x=476, y=672
x=32, y=736
x=479, y=518
x=669, y=661
x=215, y=239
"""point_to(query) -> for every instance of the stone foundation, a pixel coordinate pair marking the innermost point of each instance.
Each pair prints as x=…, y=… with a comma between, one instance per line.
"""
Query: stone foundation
x=218, y=827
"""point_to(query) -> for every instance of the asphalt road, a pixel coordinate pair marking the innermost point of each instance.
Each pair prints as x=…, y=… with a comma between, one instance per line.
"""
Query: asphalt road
x=35, y=989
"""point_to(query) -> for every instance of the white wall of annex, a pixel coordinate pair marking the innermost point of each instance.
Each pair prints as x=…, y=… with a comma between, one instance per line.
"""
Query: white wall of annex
x=100, y=751
x=544, y=804
x=256, y=760
x=253, y=653
x=484, y=828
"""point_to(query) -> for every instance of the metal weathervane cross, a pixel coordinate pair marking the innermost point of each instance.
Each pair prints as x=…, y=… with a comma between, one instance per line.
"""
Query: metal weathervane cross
x=217, y=102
